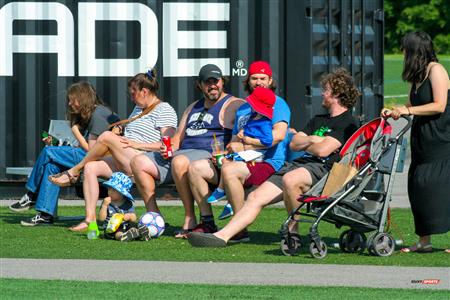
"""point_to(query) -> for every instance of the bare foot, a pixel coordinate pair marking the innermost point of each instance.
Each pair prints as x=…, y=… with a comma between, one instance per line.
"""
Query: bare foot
x=81, y=227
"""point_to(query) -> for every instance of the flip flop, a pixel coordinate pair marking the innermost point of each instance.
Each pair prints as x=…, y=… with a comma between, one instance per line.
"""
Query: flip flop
x=82, y=227
x=72, y=179
x=418, y=248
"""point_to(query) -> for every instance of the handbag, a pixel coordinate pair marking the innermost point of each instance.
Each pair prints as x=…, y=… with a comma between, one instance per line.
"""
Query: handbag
x=339, y=175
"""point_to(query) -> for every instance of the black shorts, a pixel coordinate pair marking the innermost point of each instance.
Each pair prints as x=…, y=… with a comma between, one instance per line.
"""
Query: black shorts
x=317, y=170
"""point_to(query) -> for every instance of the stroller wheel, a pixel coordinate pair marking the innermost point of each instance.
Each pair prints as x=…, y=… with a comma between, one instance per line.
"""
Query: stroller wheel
x=316, y=252
x=291, y=244
x=381, y=244
x=352, y=241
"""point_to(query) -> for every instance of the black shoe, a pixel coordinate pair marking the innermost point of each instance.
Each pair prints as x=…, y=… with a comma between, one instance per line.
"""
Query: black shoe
x=199, y=239
x=25, y=203
x=134, y=233
x=38, y=219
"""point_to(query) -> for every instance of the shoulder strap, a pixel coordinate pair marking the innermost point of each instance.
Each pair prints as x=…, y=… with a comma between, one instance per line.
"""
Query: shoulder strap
x=143, y=113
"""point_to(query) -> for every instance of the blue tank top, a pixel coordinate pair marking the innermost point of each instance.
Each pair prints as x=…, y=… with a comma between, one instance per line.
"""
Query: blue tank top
x=202, y=124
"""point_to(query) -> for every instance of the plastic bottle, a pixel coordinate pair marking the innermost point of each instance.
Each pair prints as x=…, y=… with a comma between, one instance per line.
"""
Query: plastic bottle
x=55, y=141
x=93, y=232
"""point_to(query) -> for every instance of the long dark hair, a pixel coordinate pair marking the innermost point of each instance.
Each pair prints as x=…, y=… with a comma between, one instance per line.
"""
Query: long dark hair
x=419, y=52
x=86, y=95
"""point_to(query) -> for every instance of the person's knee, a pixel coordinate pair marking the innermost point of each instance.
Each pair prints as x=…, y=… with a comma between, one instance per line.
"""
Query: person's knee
x=254, y=201
x=106, y=136
x=195, y=169
x=180, y=164
x=90, y=168
x=231, y=171
x=290, y=182
x=137, y=163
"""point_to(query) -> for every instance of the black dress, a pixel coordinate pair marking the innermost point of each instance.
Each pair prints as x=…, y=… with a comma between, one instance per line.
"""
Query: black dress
x=429, y=173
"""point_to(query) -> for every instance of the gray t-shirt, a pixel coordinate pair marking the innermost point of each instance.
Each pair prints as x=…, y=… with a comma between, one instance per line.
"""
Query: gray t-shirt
x=101, y=118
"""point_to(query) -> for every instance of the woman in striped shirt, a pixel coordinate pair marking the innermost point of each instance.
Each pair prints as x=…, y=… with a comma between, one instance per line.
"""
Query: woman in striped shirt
x=150, y=119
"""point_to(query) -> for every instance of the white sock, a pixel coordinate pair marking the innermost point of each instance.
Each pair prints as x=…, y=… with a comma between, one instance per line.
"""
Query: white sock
x=220, y=190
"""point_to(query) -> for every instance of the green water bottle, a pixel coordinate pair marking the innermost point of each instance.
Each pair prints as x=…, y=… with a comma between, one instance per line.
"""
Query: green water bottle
x=55, y=141
x=93, y=232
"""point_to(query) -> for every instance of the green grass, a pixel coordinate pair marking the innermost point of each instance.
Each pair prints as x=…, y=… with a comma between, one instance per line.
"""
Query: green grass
x=393, y=83
x=57, y=242
x=58, y=289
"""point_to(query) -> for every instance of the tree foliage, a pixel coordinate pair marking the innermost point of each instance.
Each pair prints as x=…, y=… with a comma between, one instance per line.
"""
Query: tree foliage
x=430, y=16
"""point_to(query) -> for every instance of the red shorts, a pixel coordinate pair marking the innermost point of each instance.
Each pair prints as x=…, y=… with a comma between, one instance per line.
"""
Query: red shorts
x=259, y=172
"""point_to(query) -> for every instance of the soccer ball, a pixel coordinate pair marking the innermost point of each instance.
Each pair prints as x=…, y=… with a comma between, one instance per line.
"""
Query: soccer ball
x=154, y=222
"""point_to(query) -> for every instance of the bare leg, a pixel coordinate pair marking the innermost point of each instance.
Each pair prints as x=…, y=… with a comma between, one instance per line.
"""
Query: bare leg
x=145, y=172
x=234, y=175
x=295, y=183
x=107, y=142
x=180, y=166
x=201, y=173
x=92, y=171
x=265, y=194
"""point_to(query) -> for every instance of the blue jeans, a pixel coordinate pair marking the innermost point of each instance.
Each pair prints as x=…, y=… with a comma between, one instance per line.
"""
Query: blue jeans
x=51, y=160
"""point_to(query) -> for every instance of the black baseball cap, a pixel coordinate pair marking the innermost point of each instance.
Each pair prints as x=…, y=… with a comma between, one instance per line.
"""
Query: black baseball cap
x=209, y=71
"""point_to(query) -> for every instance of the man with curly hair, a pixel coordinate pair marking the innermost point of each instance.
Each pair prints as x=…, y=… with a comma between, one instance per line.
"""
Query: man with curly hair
x=321, y=139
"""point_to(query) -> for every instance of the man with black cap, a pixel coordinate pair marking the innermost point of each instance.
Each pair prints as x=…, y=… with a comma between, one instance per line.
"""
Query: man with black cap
x=240, y=175
x=207, y=119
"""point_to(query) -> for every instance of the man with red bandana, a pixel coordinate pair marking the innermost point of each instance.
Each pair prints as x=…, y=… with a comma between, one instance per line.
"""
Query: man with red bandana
x=238, y=175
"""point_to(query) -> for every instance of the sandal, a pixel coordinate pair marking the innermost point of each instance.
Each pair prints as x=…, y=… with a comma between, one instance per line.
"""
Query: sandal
x=72, y=179
x=418, y=248
x=81, y=227
x=182, y=233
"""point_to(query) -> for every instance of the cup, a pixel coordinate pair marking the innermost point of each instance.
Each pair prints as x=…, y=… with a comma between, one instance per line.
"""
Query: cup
x=217, y=147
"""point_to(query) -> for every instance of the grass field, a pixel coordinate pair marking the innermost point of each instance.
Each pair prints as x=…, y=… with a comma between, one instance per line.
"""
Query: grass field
x=58, y=289
x=57, y=242
x=393, y=83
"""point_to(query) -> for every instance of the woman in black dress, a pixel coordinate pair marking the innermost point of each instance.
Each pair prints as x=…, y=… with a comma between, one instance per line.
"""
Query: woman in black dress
x=429, y=173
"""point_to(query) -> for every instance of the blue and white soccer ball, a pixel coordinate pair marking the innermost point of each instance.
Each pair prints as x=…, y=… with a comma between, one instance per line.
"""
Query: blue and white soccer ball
x=154, y=222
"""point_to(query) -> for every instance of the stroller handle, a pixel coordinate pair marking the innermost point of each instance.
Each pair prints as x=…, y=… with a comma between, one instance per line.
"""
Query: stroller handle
x=406, y=128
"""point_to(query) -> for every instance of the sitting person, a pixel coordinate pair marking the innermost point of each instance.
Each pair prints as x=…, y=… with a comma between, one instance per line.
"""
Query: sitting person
x=294, y=179
x=120, y=202
x=257, y=132
x=150, y=119
x=89, y=118
x=208, y=118
x=238, y=175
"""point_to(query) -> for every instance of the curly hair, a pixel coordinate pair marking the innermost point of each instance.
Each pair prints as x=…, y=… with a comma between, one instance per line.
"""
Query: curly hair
x=419, y=52
x=342, y=86
x=86, y=95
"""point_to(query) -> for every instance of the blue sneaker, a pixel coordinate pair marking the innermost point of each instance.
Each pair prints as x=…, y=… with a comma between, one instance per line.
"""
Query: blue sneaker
x=226, y=212
x=216, y=196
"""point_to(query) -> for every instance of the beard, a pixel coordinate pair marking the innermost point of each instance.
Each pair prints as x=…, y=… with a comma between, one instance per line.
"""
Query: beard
x=213, y=96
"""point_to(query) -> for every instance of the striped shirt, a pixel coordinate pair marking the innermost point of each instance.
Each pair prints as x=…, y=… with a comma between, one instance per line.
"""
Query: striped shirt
x=147, y=129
